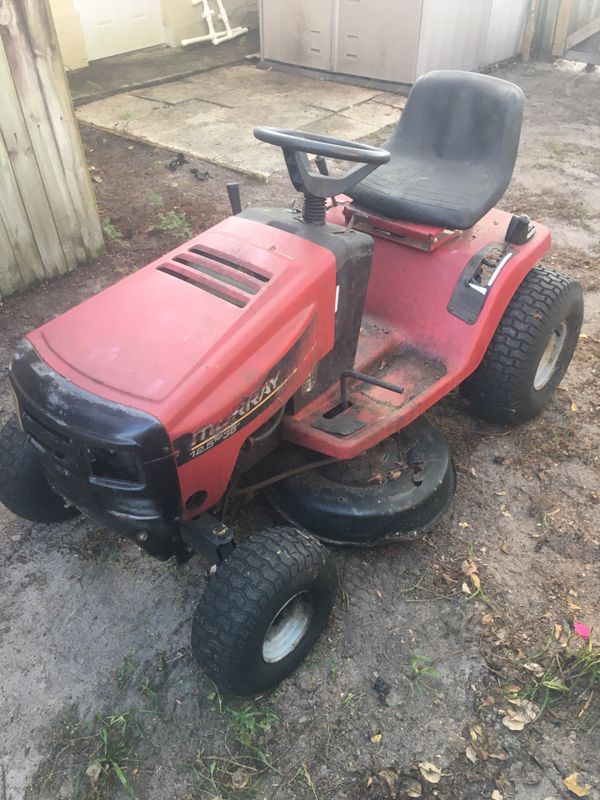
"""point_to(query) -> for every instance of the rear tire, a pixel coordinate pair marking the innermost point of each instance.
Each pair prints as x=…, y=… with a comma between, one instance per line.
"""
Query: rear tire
x=24, y=489
x=263, y=610
x=530, y=351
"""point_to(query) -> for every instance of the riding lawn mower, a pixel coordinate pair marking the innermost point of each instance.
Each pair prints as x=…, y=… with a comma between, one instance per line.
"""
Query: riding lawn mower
x=296, y=351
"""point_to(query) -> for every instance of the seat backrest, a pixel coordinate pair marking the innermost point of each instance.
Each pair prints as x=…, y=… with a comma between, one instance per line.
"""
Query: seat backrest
x=461, y=115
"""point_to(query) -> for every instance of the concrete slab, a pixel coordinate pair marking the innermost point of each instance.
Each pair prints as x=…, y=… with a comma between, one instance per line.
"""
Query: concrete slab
x=342, y=127
x=233, y=86
x=390, y=99
x=155, y=65
x=172, y=93
x=377, y=115
x=119, y=112
x=331, y=96
x=212, y=116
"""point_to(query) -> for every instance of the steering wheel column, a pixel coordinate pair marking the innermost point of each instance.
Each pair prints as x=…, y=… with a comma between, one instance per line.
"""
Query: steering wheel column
x=317, y=186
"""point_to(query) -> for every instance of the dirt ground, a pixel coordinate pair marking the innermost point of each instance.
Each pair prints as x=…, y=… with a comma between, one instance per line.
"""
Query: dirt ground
x=432, y=647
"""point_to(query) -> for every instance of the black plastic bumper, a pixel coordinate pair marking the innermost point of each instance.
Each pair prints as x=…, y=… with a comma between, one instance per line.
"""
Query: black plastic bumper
x=113, y=462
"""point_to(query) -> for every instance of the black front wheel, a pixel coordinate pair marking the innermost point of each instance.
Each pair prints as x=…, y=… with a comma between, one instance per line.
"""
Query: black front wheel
x=263, y=610
x=24, y=489
x=530, y=351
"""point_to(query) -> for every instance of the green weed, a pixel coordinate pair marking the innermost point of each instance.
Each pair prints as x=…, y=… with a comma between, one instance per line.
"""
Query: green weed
x=113, y=756
x=333, y=669
x=352, y=700
x=249, y=730
x=249, y=722
x=566, y=670
x=146, y=689
x=156, y=199
x=174, y=223
x=422, y=669
x=109, y=230
x=171, y=222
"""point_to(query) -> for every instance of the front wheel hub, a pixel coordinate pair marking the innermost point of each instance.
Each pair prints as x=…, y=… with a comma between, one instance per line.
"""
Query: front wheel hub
x=550, y=356
x=395, y=491
x=288, y=628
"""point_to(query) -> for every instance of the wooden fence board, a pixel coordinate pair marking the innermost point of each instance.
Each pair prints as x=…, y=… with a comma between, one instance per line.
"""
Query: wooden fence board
x=10, y=275
x=582, y=34
x=57, y=96
x=16, y=223
x=48, y=217
x=562, y=27
x=31, y=186
x=35, y=113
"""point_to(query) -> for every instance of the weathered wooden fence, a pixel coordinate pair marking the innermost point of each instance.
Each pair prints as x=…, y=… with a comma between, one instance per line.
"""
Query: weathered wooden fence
x=48, y=217
x=567, y=28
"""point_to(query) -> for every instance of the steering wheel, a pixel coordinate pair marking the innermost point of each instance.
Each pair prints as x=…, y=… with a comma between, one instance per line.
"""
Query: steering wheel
x=297, y=144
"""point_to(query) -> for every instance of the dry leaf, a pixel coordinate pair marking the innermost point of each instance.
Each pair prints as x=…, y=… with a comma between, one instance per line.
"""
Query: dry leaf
x=376, y=738
x=465, y=588
x=512, y=723
x=389, y=777
x=574, y=606
x=475, y=731
x=93, y=771
x=469, y=567
x=537, y=670
x=395, y=474
x=496, y=795
x=524, y=712
x=573, y=785
x=430, y=772
x=239, y=779
x=448, y=578
x=505, y=548
x=557, y=630
x=471, y=754
x=505, y=513
x=411, y=787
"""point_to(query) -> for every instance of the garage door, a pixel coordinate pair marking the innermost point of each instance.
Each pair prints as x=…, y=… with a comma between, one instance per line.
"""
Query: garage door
x=119, y=26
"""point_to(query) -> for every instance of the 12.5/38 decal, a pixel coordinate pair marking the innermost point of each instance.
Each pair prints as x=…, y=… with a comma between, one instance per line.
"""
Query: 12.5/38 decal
x=192, y=445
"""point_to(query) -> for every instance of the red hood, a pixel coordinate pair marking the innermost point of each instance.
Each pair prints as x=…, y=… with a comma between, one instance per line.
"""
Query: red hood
x=146, y=337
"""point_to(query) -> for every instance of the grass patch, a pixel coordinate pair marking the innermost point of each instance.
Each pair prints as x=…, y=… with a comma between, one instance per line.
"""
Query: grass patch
x=170, y=221
x=99, y=756
x=235, y=774
x=568, y=668
x=110, y=230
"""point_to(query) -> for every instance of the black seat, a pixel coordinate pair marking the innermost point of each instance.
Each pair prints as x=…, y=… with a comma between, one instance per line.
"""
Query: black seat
x=453, y=152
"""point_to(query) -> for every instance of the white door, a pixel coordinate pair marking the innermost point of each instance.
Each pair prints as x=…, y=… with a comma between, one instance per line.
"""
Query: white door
x=119, y=26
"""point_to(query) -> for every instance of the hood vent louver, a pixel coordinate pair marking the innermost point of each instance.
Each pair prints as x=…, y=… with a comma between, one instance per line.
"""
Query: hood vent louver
x=218, y=275
x=245, y=270
x=223, y=278
x=205, y=285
